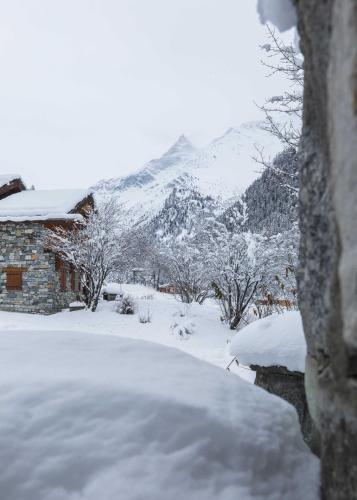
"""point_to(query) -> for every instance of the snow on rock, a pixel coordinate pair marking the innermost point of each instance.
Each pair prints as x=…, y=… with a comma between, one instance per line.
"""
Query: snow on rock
x=88, y=417
x=112, y=289
x=35, y=205
x=277, y=340
x=281, y=13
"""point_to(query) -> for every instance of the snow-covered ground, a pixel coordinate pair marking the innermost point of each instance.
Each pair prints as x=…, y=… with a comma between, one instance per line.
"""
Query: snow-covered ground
x=87, y=414
x=209, y=340
x=89, y=417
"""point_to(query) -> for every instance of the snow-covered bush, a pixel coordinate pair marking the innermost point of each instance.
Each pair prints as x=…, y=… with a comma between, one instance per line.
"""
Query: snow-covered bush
x=182, y=310
x=183, y=329
x=145, y=317
x=236, y=275
x=279, y=256
x=126, y=305
x=186, y=271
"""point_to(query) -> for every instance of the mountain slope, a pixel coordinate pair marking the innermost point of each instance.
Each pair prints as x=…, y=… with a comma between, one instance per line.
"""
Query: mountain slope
x=270, y=203
x=183, y=210
x=222, y=170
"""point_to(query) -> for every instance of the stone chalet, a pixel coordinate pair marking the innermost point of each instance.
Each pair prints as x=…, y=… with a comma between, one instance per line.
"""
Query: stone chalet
x=33, y=279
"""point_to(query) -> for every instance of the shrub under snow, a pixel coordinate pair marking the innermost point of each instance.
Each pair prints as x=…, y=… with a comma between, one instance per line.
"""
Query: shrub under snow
x=126, y=305
x=145, y=317
x=183, y=328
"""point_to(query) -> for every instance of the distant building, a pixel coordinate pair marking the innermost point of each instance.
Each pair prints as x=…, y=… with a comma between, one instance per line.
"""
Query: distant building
x=167, y=288
x=33, y=279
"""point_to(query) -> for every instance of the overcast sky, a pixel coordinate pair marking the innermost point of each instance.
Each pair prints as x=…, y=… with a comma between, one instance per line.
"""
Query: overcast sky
x=93, y=89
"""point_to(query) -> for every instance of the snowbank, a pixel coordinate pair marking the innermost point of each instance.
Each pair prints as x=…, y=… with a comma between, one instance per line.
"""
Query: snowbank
x=97, y=417
x=277, y=340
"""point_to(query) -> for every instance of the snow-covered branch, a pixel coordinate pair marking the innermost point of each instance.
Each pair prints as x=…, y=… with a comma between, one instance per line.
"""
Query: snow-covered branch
x=94, y=248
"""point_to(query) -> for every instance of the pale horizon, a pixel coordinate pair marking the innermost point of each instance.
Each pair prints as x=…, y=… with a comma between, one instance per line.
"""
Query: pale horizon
x=94, y=90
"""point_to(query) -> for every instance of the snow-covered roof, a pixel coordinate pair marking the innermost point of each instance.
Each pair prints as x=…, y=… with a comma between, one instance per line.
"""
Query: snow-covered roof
x=7, y=178
x=41, y=205
x=277, y=340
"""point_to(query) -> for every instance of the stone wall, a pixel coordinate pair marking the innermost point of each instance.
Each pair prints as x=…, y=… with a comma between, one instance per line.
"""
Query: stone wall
x=20, y=246
x=290, y=386
x=328, y=218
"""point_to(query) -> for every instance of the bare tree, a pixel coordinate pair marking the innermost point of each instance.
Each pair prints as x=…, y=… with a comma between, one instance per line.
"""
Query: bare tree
x=283, y=113
x=94, y=247
x=186, y=271
x=284, y=60
x=235, y=278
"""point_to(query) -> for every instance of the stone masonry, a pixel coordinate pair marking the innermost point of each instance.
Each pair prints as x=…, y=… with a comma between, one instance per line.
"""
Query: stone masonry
x=290, y=386
x=21, y=247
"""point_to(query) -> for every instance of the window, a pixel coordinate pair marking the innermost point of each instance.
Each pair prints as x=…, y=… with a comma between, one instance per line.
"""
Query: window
x=14, y=279
x=62, y=268
x=77, y=282
x=74, y=281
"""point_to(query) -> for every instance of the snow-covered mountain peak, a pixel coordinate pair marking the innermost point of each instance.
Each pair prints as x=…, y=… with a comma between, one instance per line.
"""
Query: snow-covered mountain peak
x=222, y=170
x=181, y=147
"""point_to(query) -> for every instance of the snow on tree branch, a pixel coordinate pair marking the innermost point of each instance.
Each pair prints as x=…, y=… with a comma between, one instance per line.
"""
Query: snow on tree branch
x=281, y=167
x=95, y=248
x=283, y=113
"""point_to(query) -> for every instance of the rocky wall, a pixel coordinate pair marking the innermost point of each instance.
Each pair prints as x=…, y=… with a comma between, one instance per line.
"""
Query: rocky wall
x=21, y=247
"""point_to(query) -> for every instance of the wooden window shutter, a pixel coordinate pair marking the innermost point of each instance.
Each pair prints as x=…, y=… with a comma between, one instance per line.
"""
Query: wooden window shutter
x=58, y=263
x=78, y=282
x=63, y=278
x=14, y=279
x=73, y=280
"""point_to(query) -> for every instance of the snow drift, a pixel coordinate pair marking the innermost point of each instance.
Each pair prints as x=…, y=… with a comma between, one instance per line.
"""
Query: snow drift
x=94, y=417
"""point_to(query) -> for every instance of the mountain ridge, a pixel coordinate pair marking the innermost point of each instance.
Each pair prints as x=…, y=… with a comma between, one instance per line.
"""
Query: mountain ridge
x=223, y=170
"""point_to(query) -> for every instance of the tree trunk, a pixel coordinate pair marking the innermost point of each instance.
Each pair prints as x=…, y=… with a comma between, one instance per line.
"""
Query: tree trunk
x=94, y=303
x=235, y=321
x=327, y=274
